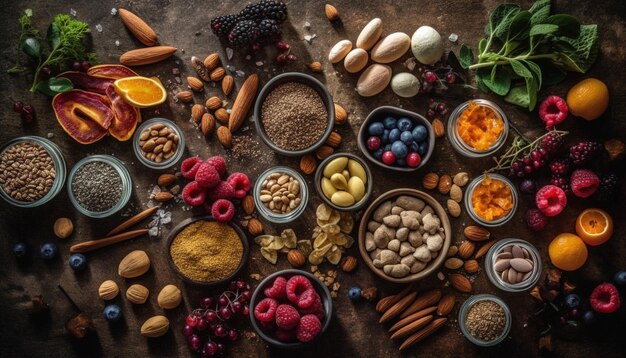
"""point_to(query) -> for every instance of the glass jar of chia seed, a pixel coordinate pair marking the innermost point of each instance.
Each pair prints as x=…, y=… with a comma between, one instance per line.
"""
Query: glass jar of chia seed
x=99, y=186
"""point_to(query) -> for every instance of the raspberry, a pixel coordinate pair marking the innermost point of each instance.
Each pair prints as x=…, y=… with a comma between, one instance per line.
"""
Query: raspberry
x=561, y=182
x=316, y=308
x=206, y=176
x=265, y=311
x=552, y=143
x=193, y=194
x=189, y=167
x=219, y=163
x=560, y=167
x=583, y=152
x=553, y=110
x=307, y=298
x=296, y=286
x=285, y=335
x=223, y=210
x=551, y=200
x=604, y=298
x=240, y=184
x=535, y=220
x=608, y=187
x=584, y=183
x=278, y=289
x=222, y=190
x=308, y=328
x=287, y=317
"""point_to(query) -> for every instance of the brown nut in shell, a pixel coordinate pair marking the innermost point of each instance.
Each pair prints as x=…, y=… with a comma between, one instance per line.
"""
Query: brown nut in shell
x=63, y=228
x=430, y=181
x=445, y=183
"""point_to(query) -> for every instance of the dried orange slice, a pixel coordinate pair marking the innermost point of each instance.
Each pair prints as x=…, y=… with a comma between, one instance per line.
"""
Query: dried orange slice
x=141, y=91
x=594, y=226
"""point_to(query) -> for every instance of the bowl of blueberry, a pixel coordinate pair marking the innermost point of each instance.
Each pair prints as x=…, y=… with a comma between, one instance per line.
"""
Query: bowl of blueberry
x=396, y=139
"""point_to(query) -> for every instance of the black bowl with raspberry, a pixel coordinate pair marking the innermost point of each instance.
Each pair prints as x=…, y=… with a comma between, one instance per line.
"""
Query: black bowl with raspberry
x=290, y=309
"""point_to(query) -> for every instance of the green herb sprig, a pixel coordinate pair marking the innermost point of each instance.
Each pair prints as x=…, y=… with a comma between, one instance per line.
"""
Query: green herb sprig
x=28, y=41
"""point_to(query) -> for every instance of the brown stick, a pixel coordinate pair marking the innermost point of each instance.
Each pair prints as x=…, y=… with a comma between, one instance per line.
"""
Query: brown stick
x=386, y=302
x=132, y=221
x=415, y=316
x=97, y=244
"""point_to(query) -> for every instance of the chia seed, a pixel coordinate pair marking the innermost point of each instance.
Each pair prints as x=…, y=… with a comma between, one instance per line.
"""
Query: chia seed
x=485, y=320
x=97, y=186
x=294, y=116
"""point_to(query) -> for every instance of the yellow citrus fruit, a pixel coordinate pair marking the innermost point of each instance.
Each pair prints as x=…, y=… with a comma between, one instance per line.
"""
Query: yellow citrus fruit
x=567, y=252
x=141, y=91
x=594, y=226
x=588, y=98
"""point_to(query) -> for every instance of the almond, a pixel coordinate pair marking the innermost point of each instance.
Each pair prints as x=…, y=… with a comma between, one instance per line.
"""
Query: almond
x=373, y=80
x=155, y=327
x=454, y=209
x=195, y=84
x=426, y=299
x=169, y=297
x=430, y=180
x=445, y=183
x=147, y=55
x=460, y=179
x=446, y=304
x=228, y=84
x=370, y=34
x=423, y=333
x=163, y=196
x=334, y=140
x=324, y=152
x=417, y=315
x=466, y=249
x=341, y=116
x=166, y=179
x=255, y=227
x=296, y=258
x=460, y=282
x=137, y=294
x=207, y=124
x=315, y=66
x=390, y=47
x=108, y=290
x=222, y=116
x=243, y=102
x=349, y=264
x=247, y=204
x=456, y=193
x=385, y=303
x=471, y=266
x=476, y=233
x=184, y=96
x=397, y=308
x=483, y=249
x=135, y=264
x=438, y=128
x=138, y=28
x=412, y=327
x=308, y=163
x=225, y=137
x=213, y=103
x=211, y=61
x=331, y=12
x=200, y=69
x=217, y=74
x=453, y=263
x=196, y=112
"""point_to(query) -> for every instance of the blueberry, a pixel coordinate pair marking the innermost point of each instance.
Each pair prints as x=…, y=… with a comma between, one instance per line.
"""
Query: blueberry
x=378, y=153
x=390, y=123
x=387, y=147
x=78, y=262
x=394, y=135
x=423, y=149
x=20, y=250
x=384, y=138
x=419, y=133
x=414, y=147
x=405, y=124
x=620, y=278
x=48, y=251
x=354, y=293
x=589, y=317
x=572, y=300
x=406, y=137
x=376, y=128
x=112, y=313
x=401, y=163
x=399, y=149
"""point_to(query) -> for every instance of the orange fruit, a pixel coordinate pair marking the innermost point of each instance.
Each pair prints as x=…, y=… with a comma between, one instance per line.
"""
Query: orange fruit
x=141, y=91
x=594, y=226
x=567, y=252
x=588, y=98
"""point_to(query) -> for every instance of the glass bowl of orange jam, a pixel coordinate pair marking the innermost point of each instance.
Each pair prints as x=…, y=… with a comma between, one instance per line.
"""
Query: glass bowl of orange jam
x=477, y=128
x=491, y=200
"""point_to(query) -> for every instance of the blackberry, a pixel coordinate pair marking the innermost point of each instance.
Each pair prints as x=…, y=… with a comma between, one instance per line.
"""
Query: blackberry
x=552, y=143
x=222, y=25
x=583, y=152
x=560, y=167
x=274, y=10
x=252, y=12
x=243, y=34
x=609, y=185
x=561, y=182
x=270, y=31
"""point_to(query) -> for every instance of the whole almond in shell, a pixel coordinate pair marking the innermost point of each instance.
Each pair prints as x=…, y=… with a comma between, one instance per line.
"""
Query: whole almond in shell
x=334, y=140
x=411, y=318
x=225, y=137
x=184, y=96
x=108, y=290
x=207, y=124
x=155, y=327
x=483, y=249
x=471, y=266
x=200, y=69
x=163, y=196
x=217, y=74
x=166, y=179
x=222, y=116
x=466, y=249
x=453, y=263
x=456, y=193
x=137, y=294
x=331, y=12
x=426, y=299
x=430, y=180
x=213, y=103
x=423, y=333
x=228, y=84
x=196, y=112
x=255, y=227
x=195, y=84
x=349, y=264
x=324, y=152
x=460, y=282
x=296, y=258
x=446, y=304
x=135, y=264
x=370, y=34
x=341, y=116
x=316, y=66
x=412, y=327
x=460, y=179
x=247, y=204
x=169, y=297
x=243, y=102
x=438, y=128
x=476, y=233
x=138, y=28
x=445, y=183
x=146, y=55
x=308, y=163
x=211, y=61
x=454, y=209
x=397, y=308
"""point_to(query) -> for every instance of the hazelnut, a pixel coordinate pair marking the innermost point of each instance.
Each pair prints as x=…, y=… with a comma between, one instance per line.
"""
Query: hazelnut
x=63, y=228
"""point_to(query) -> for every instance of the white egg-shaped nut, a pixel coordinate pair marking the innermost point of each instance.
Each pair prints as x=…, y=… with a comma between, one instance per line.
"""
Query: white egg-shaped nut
x=391, y=47
x=370, y=34
x=426, y=45
x=373, y=80
x=339, y=51
x=405, y=84
x=356, y=60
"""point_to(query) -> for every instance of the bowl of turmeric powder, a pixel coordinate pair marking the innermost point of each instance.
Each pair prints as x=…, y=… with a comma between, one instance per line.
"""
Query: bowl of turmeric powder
x=491, y=200
x=203, y=251
x=477, y=128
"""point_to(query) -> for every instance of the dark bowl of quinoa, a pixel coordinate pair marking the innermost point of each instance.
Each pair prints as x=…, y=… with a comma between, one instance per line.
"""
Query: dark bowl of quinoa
x=294, y=114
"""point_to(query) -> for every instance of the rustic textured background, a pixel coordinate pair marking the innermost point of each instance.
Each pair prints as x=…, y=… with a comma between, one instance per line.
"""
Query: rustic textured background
x=354, y=330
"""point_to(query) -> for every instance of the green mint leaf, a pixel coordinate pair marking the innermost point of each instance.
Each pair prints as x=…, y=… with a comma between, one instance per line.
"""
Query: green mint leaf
x=54, y=35
x=32, y=47
x=536, y=70
x=518, y=96
x=500, y=20
x=551, y=73
x=568, y=25
x=540, y=11
x=519, y=68
x=54, y=86
x=481, y=73
x=543, y=29
x=482, y=46
x=585, y=50
x=466, y=57
x=519, y=27
x=531, y=88
x=499, y=81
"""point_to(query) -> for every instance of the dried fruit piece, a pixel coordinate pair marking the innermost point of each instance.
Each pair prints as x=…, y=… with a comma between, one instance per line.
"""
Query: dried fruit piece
x=438, y=128
x=110, y=71
x=87, y=82
x=126, y=116
x=85, y=116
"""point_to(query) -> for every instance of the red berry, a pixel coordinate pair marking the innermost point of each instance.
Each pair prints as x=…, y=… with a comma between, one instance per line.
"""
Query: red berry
x=192, y=320
x=296, y=286
x=551, y=200
x=219, y=163
x=291, y=58
x=287, y=317
x=207, y=176
x=584, y=183
x=193, y=194
x=388, y=157
x=84, y=65
x=316, y=308
x=553, y=111
x=211, y=317
x=282, y=45
x=223, y=210
x=281, y=58
x=265, y=311
x=605, y=298
x=202, y=325
x=535, y=220
x=413, y=159
x=430, y=112
x=18, y=106
x=189, y=167
x=225, y=313
x=222, y=190
x=308, y=328
x=560, y=167
x=28, y=114
x=240, y=184
x=430, y=77
x=278, y=288
x=207, y=302
x=307, y=298
x=373, y=142
x=450, y=78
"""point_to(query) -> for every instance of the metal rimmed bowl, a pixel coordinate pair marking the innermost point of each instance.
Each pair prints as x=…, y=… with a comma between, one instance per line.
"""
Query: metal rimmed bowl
x=321, y=290
x=464, y=310
x=306, y=80
x=368, y=186
x=244, y=257
x=267, y=213
x=434, y=264
x=180, y=149
x=470, y=208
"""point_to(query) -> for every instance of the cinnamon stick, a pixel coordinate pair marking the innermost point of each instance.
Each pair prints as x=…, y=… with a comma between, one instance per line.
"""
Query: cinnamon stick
x=132, y=221
x=97, y=244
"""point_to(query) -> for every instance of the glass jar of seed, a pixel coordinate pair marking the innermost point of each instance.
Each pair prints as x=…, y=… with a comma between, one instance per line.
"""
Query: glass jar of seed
x=280, y=194
x=158, y=143
x=485, y=320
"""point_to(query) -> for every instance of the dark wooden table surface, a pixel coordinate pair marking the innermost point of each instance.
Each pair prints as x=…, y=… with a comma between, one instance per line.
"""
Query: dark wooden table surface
x=354, y=330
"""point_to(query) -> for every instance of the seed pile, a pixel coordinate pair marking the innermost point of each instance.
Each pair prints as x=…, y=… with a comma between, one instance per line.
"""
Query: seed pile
x=294, y=116
x=26, y=171
x=485, y=320
x=97, y=186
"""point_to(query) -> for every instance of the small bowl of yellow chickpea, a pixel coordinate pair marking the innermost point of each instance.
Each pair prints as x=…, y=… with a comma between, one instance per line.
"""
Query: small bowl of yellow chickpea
x=344, y=182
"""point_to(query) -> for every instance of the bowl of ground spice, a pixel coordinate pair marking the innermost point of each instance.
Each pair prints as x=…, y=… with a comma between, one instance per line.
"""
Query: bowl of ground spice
x=294, y=114
x=32, y=171
x=205, y=252
x=485, y=320
x=99, y=186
